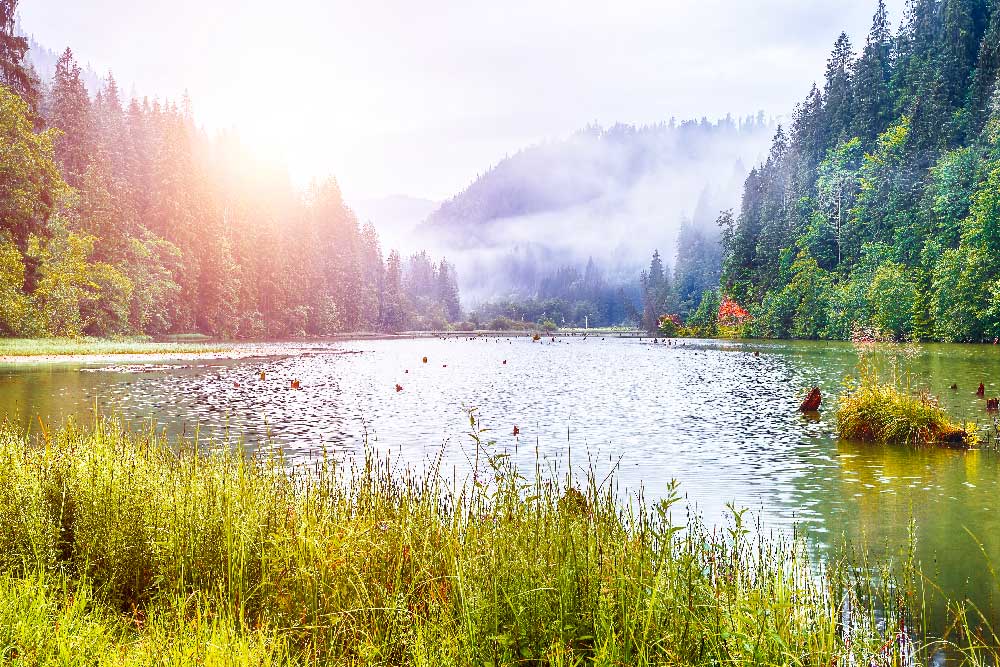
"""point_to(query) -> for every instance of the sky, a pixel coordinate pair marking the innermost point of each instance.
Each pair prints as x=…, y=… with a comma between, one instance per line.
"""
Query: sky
x=417, y=98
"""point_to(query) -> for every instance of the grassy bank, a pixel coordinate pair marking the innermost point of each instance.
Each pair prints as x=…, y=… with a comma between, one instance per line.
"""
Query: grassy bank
x=61, y=347
x=118, y=548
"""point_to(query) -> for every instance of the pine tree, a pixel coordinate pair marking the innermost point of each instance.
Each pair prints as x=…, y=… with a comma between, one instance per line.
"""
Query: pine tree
x=987, y=68
x=109, y=121
x=447, y=291
x=775, y=230
x=393, y=310
x=960, y=46
x=872, y=75
x=373, y=278
x=13, y=72
x=808, y=143
x=838, y=91
x=657, y=294
x=69, y=111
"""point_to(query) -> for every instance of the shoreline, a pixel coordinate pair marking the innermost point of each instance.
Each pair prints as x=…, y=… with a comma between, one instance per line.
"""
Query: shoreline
x=88, y=351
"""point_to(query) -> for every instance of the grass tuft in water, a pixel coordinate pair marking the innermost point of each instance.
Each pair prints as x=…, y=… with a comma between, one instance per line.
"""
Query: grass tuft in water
x=874, y=410
x=119, y=548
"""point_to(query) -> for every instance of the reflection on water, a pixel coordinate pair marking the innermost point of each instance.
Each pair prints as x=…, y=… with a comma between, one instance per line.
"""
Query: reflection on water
x=714, y=416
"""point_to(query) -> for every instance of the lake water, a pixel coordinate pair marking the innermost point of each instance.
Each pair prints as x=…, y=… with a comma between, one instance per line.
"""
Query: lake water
x=715, y=416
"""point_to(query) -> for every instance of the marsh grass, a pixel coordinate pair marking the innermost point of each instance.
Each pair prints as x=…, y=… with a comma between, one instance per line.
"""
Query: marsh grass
x=121, y=548
x=893, y=412
x=41, y=347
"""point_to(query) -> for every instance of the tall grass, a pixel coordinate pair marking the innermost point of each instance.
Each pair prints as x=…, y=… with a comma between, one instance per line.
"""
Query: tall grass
x=873, y=409
x=121, y=548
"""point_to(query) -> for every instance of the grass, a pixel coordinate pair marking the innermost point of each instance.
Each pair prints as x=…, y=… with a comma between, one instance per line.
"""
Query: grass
x=892, y=412
x=40, y=347
x=119, y=548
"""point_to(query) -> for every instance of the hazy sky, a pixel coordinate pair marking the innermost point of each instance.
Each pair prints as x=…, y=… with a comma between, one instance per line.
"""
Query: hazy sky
x=397, y=96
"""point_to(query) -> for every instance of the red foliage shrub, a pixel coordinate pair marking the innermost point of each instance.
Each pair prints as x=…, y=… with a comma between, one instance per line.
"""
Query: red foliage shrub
x=732, y=314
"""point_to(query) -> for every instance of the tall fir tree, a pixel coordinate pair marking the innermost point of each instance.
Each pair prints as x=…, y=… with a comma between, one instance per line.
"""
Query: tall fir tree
x=14, y=72
x=838, y=91
x=872, y=76
x=70, y=111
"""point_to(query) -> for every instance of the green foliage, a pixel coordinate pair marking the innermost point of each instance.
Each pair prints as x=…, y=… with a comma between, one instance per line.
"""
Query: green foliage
x=894, y=191
x=799, y=310
x=72, y=295
x=167, y=231
x=668, y=328
x=30, y=183
x=705, y=319
x=837, y=185
x=151, y=263
x=14, y=305
x=892, y=296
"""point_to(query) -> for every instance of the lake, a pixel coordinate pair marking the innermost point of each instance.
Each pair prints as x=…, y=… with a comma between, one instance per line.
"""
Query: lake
x=713, y=415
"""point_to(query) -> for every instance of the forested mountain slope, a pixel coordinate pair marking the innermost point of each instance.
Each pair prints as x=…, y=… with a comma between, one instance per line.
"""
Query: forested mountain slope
x=877, y=212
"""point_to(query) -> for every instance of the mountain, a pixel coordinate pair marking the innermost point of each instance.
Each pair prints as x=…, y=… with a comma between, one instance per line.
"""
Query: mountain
x=396, y=217
x=609, y=194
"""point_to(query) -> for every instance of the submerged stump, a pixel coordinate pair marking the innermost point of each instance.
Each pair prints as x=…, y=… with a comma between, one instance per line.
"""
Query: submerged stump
x=812, y=402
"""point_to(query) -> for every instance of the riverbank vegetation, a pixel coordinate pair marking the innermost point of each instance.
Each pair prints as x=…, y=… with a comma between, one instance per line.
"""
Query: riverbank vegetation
x=42, y=347
x=890, y=411
x=118, y=547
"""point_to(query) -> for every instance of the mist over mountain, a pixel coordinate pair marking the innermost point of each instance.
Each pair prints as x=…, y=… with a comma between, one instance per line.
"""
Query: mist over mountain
x=396, y=217
x=609, y=194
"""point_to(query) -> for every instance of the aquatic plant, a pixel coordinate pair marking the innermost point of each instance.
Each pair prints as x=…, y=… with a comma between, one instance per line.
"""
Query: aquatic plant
x=873, y=410
x=121, y=548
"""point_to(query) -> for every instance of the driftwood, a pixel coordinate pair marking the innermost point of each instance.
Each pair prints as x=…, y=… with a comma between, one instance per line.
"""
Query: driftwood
x=812, y=402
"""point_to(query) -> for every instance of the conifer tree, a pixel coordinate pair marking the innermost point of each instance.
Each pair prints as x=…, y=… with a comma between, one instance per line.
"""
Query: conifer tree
x=393, y=310
x=447, y=291
x=69, y=111
x=872, y=76
x=838, y=91
x=14, y=74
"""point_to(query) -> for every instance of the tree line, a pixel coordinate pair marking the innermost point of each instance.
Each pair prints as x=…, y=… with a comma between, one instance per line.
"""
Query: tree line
x=125, y=217
x=877, y=213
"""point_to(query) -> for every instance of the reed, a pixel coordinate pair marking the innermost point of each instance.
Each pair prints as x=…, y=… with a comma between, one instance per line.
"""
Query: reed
x=121, y=548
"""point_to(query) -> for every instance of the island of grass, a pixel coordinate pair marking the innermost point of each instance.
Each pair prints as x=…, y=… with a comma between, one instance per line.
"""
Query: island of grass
x=13, y=348
x=871, y=410
x=119, y=548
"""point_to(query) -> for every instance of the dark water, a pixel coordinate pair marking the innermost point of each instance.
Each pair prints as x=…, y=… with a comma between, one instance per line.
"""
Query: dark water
x=714, y=416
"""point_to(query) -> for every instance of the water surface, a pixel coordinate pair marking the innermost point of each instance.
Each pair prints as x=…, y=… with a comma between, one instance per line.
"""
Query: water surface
x=715, y=416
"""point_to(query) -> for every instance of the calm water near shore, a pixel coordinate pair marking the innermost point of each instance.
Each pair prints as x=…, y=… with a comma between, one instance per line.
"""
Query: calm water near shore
x=713, y=415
